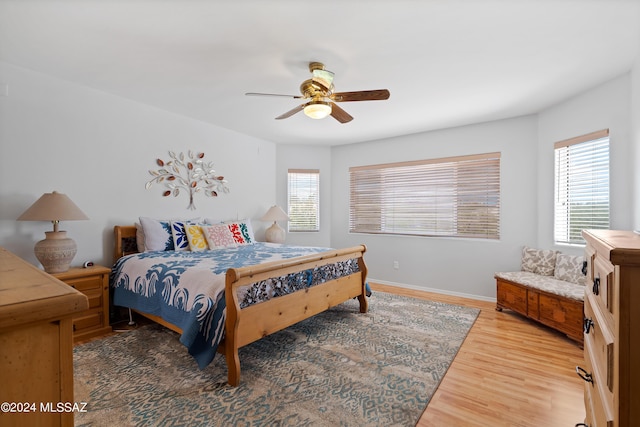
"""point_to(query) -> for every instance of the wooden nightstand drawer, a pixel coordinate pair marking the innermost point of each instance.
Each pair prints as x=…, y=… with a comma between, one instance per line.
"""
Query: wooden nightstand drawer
x=86, y=323
x=86, y=283
x=94, y=283
x=95, y=298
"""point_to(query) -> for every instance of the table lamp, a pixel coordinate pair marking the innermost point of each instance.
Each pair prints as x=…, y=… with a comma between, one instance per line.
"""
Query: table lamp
x=275, y=233
x=56, y=251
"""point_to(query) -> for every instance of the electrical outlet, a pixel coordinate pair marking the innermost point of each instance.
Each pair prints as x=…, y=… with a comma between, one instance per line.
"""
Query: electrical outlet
x=396, y=265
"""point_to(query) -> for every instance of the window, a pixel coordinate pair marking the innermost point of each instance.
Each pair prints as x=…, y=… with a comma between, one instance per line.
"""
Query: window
x=304, y=200
x=582, y=186
x=454, y=197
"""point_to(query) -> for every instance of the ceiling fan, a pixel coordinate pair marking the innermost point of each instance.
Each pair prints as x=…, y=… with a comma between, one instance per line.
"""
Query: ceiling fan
x=321, y=99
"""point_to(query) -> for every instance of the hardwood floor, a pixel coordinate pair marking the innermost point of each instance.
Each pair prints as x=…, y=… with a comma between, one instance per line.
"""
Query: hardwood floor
x=510, y=371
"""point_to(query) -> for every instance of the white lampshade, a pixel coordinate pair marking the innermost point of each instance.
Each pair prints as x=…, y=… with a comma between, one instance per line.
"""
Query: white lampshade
x=275, y=233
x=56, y=251
x=317, y=109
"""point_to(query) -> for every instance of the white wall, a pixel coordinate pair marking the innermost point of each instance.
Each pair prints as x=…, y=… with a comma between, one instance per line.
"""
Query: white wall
x=98, y=149
x=457, y=266
x=306, y=157
x=635, y=140
x=605, y=106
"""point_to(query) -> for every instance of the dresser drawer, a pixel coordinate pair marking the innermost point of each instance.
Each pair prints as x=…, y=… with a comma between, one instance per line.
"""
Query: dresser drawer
x=602, y=285
x=597, y=394
x=601, y=341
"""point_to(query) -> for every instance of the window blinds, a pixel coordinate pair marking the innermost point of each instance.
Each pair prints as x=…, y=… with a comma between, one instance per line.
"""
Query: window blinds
x=304, y=199
x=582, y=186
x=456, y=197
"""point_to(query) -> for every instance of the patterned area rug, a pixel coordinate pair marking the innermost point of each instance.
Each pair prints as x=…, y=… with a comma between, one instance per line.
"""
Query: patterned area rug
x=339, y=368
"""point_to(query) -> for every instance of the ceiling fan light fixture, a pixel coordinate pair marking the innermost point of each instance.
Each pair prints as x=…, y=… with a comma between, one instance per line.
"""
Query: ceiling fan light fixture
x=317, y=109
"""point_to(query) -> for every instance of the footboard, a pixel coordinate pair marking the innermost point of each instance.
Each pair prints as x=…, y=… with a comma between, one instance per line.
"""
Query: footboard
x=244, y=326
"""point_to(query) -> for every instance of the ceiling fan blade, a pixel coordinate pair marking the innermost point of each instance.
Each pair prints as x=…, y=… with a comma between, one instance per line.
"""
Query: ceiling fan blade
x=273, y=94
x=291, y=112
x=339, y=114
x=363, y=95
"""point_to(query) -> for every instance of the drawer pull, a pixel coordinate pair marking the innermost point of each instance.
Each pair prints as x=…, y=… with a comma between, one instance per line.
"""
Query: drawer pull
x=584, y=374
x=587, y=325
x=596, y=286
x=584, y=267
x=582, y=425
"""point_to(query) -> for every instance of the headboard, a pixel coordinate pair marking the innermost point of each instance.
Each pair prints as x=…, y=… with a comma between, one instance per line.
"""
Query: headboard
x=125, y=241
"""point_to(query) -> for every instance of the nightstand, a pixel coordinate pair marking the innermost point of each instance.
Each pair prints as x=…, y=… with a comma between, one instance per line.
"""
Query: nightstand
x=94, y=283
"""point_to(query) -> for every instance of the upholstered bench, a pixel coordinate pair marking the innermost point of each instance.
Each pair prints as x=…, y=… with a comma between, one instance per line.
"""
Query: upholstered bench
x=549, y=289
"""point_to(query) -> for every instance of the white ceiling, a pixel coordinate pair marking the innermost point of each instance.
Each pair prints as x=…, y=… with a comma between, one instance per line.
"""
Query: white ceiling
x=446, y=62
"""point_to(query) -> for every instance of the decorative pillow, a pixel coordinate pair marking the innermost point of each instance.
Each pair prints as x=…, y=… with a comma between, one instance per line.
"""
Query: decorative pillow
x=197, y=241
x=157, y=234
x=569, y=268
x=179, y=235
x=218, y=236
x=539, y=261
x=242, y=231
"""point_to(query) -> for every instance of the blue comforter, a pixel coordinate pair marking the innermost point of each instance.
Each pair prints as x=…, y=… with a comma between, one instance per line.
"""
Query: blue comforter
x=187, y=288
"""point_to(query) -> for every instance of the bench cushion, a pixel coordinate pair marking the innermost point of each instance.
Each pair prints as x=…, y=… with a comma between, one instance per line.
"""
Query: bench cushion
x=545, y=283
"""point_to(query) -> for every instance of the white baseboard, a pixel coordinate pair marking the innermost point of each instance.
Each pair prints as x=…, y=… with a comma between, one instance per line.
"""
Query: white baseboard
x=436, y=291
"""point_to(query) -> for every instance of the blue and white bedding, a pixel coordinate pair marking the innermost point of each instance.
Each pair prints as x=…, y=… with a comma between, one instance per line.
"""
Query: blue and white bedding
x=187, y=288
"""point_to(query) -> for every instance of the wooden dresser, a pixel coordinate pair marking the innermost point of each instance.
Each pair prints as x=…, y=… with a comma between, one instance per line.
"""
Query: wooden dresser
x=36, y=348
x=611, y=369
x=94, y=283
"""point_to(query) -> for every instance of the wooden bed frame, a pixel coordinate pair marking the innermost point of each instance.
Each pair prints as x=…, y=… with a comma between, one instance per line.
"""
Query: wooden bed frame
x=244, y=326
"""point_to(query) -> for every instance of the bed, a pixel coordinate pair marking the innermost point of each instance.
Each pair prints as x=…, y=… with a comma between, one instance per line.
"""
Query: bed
x=246, y=293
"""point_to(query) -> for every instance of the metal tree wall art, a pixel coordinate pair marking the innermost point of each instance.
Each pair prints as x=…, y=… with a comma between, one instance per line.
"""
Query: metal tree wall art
x=188, y=173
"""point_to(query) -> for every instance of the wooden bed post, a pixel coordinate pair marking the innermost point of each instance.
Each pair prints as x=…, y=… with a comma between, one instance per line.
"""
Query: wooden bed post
x=231, y=330
x=362, y=298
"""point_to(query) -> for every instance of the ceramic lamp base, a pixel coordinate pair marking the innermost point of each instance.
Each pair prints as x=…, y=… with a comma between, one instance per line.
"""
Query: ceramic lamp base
x=56, y=251
x=275, y=234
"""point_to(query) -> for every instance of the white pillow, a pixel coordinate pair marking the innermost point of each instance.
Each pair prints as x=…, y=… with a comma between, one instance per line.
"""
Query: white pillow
x=139, y=237
x=157, y=234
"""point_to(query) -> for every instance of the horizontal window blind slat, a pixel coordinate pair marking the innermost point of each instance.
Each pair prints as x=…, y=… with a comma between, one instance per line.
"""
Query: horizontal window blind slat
x=304, y=199
x=582, y=186
x=456, y=196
